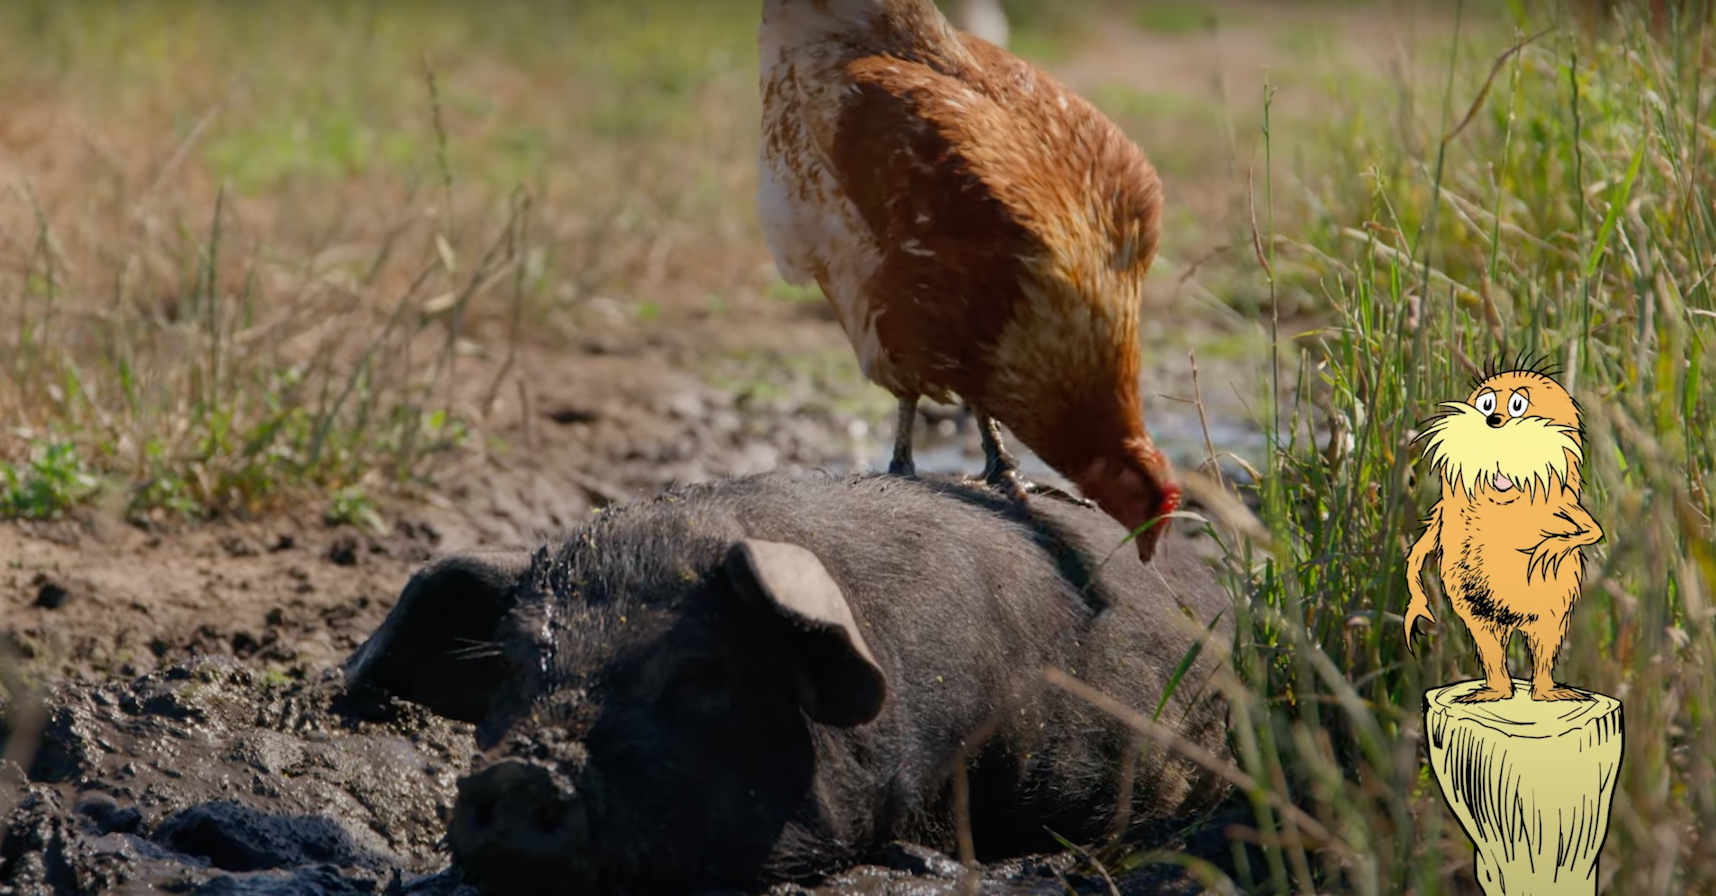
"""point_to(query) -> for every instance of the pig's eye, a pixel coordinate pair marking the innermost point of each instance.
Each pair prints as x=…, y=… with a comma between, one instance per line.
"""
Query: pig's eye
x=700, y=685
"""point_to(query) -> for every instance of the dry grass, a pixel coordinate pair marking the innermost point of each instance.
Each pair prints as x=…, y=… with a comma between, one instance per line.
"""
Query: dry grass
x=238, y=269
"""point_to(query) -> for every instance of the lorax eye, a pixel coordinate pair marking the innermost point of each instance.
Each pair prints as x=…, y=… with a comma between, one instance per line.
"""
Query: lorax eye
x=1486, y=403
x=1517, y=404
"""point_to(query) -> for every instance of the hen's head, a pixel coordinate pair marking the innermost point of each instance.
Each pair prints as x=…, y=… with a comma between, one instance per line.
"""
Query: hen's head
x=1138, y=489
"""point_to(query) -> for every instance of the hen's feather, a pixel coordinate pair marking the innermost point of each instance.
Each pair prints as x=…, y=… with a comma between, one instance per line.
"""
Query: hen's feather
x=979, y=229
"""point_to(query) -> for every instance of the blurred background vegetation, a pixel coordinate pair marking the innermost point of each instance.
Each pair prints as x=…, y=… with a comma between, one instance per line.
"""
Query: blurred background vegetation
x=243, y=248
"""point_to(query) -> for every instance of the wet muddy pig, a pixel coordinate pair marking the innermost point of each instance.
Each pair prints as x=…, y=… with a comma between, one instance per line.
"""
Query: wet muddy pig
x=770, y=677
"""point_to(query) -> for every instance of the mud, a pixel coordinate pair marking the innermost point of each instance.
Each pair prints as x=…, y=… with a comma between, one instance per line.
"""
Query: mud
x=212, y=776
x=196, y=739
x=209, y=777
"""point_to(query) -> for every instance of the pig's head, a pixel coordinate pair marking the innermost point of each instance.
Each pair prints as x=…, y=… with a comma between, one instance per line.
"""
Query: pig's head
x=647, y=711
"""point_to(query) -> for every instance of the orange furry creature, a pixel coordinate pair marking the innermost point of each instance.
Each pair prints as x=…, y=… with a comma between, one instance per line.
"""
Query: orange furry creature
x=1508, y=526
x=980, y=230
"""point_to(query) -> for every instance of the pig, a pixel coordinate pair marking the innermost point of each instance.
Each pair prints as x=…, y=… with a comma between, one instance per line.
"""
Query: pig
x=769, y=678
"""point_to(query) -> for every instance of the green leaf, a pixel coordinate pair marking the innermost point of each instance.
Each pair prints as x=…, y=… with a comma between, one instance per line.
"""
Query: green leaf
x=1184, y=667
x=1617, y=201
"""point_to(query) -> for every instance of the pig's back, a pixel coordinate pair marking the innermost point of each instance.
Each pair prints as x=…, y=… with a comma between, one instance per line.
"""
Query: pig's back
x=952, y=585
x=965, y=598
x=946, y=574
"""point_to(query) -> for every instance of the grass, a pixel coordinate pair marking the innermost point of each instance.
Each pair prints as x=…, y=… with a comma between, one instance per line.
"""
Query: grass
x=51, y=481
x=1045, y=30
x=1570, y=216
x=1171, y=19
x=236, y=277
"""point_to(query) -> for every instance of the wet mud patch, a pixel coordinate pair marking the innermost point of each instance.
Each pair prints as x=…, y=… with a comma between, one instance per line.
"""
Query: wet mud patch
x=208, y=777
x=288, y=597
x=210, y=767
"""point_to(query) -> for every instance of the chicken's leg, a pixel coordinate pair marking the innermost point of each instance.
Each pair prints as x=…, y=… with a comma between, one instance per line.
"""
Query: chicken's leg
x=902, y=464
x=1001, y=470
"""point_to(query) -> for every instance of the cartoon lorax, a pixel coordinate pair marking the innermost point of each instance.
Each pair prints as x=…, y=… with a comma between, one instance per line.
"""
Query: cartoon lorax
x=1508, y=526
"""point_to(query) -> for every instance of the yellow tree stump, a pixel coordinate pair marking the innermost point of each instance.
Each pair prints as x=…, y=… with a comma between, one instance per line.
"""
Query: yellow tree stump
x=1531, y=783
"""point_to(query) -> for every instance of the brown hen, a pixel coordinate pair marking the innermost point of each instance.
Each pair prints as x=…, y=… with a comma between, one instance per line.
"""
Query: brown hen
x=980, y=230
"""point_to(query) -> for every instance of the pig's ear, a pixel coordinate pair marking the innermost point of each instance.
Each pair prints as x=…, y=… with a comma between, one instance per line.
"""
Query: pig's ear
x=435, y=647
x=842, y=684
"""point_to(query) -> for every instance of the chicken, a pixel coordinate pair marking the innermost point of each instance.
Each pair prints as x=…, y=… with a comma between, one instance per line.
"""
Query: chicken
x=980, y=231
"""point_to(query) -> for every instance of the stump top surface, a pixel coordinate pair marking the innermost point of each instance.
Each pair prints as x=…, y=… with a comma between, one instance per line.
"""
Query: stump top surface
x=1520, y=715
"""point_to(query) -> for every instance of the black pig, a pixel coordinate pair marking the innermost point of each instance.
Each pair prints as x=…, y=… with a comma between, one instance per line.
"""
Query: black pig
x=767, y=678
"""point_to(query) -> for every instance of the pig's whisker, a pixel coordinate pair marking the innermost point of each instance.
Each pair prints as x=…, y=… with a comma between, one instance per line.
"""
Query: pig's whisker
x=475, y=650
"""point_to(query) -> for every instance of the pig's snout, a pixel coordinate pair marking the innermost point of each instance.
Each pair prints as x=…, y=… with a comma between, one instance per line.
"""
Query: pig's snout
x=521, y=826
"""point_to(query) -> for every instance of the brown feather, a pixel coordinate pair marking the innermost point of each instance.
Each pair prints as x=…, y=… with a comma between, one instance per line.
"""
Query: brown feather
x=980, y=229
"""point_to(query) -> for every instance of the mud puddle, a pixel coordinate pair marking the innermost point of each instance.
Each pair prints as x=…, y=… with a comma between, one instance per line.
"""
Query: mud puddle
x=209, y=777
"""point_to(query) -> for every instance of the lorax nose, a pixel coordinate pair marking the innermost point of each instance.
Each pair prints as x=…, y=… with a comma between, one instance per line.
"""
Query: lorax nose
x=1494, y=419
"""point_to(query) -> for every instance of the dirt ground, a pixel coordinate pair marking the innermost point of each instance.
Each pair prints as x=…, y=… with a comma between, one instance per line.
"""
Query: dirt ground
x=624, y=410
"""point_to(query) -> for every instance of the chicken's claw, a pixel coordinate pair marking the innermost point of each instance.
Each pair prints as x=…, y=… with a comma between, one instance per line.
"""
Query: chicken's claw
x=1008, y=482
x=1019, y=489
x=1050, y=491
x=999, y=468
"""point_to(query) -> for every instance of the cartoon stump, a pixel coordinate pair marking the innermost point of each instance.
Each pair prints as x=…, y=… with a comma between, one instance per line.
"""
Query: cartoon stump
x=1508, y=526
x=1528, y=770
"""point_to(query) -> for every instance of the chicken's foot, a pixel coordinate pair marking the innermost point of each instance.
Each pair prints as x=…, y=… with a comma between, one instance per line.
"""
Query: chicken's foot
x=902, y=464
x=1001, y=469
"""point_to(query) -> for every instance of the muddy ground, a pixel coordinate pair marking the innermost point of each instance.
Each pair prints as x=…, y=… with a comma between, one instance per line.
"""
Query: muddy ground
x=212, y=777
x=195, y=738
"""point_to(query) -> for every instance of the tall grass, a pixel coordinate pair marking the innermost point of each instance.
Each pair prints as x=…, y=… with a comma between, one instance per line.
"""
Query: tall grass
x=204, y=376
x=1572, y=216
x=248, y=252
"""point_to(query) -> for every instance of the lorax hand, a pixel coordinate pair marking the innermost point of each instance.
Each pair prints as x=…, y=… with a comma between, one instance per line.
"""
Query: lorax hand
x=1417, y=608
x=1547, y=556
